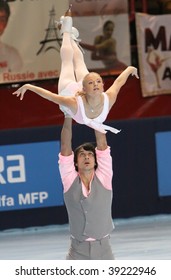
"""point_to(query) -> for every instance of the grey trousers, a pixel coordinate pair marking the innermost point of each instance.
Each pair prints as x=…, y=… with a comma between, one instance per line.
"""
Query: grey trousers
x=90, y=250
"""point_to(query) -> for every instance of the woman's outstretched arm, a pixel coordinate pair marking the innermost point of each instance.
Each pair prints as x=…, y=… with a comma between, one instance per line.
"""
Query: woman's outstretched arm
x=114, y=89
x=67, y=101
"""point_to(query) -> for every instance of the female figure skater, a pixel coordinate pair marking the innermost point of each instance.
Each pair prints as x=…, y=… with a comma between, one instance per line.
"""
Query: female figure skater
x=81, y=94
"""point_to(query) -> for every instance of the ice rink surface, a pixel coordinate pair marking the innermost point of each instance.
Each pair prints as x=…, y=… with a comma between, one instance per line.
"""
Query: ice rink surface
x=137, y=238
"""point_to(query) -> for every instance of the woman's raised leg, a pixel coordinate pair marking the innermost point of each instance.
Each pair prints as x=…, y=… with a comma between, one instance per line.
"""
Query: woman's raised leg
x=67, y=55
x=78, y=61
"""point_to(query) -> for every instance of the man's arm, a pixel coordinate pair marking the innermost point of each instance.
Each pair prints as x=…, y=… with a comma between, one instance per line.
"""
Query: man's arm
x=66, y=137
x=101, y=140
x=104, y=171
x=66, y=156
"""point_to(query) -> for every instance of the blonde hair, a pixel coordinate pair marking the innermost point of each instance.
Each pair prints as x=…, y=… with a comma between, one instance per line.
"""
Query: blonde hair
x=82, y=92
x=87, y=75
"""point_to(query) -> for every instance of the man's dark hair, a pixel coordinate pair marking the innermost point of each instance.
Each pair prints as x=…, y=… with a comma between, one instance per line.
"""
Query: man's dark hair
x=86, y=147
x=4, y=6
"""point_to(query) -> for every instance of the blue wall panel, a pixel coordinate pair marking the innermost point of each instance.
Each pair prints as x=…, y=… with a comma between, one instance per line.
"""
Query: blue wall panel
x=29, y=176
x=163, y=150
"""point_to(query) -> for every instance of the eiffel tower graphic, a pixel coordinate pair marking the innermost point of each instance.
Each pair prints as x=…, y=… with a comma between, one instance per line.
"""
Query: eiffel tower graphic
x=52, y=39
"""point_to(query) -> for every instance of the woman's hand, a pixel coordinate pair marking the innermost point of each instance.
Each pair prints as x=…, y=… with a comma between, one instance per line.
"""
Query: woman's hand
x=133, y=71
x=21, y=91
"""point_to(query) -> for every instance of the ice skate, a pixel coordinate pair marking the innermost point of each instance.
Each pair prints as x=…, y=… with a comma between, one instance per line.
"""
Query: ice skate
x=64, y=25
x=69, y=12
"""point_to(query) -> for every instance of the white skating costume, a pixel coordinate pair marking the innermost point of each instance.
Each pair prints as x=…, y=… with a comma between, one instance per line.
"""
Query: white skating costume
x=80, y=116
